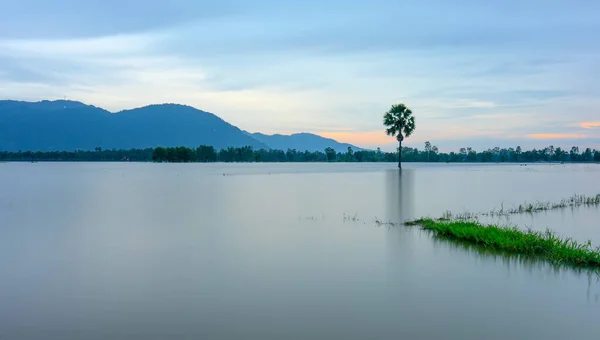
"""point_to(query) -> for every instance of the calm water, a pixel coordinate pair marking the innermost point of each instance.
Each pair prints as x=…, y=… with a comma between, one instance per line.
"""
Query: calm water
x=284, y=251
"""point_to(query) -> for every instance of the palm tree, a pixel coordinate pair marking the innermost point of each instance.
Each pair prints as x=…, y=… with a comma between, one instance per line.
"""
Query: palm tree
x=400, y=123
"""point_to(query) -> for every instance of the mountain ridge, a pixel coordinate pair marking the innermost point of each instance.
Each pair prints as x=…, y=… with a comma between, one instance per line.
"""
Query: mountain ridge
x=67, y=125
x=309, y=141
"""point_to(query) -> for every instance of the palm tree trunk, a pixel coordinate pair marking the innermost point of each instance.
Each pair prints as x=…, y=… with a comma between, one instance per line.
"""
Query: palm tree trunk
x=399, y=154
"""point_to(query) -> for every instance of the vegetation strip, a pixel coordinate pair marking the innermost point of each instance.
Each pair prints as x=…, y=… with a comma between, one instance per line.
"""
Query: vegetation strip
x=572, y=202
x=530, y=208
x=206, y=153
x=544, y=245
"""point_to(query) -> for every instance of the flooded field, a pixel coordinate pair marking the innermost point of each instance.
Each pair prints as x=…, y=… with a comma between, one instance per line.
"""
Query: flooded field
x=273, y=251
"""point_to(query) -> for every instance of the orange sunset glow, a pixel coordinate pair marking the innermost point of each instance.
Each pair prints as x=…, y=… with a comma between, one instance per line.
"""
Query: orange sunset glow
x=590, y=125
x=359, y=138
x=556, y=135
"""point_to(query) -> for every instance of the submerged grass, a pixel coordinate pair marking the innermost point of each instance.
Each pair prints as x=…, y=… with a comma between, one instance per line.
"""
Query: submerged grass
x=571, y=202
x=543, y=245
x=574, y=201
x=381, y=223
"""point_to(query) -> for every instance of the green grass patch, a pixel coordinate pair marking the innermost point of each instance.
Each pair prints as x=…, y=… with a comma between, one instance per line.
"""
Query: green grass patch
x=543, y=245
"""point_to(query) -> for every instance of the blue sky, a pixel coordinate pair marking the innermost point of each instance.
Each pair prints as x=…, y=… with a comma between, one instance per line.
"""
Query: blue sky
x=475, y=73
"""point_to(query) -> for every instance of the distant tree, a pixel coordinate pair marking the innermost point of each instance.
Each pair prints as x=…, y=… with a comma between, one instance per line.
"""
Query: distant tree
x=532, y=156
x=349, y=155
x=361, y=156
x=229, y=154
x=550, y=152
x=559, y=154
x=471, y=154
x=244, y=154
x=331, y=154
x=428, y=149
x=486, y=156
x=510, y=155
x=435, y=153
x=206, y=153
x=574, y=154
x=400, y=123
x=587, y=156
x=159, y=154
x=292, y=155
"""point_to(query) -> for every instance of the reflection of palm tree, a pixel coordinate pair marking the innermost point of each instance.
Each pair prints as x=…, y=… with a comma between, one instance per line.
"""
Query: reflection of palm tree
x=400, y=192
x=400, y=199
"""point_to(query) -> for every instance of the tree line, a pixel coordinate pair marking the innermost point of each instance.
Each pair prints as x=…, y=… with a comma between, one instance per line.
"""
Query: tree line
x=399, y=122
x=204, y=153
x=547, y=154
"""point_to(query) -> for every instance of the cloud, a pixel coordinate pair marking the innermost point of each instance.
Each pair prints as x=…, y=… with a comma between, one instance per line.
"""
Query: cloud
x=590, y=125
x=467, y=72
x=518, y=67
x=463, y=104
x=362, y=138
x=14, y=69
x=74, y=18
x=81, y=47
x=556, y=135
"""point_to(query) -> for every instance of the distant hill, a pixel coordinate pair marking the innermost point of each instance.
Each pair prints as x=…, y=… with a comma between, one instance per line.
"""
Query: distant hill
x=58, y=125
x=69, y=125
x=302, y=142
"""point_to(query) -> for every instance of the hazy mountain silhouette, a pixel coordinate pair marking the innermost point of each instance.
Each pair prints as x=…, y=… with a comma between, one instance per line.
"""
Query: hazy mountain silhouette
x=67, y=125
x=57, y=125
x=70, y=125
x=302, y=142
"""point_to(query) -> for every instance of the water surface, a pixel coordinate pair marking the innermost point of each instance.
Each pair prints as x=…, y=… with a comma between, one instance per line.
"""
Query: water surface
x=274, y=251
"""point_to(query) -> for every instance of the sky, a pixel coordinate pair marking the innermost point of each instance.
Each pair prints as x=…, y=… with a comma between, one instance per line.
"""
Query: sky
x=475, y=73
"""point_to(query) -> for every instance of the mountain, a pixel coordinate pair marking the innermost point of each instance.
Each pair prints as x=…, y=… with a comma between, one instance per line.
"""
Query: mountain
x=69, y=125
x=302, y=142
x=58, y=125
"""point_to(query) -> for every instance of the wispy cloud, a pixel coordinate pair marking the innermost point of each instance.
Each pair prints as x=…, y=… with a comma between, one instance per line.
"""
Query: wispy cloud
x=79, y=48
x=590, y=125
x=457, y=103
x=366, y=138
x=556, y=135
x=468, y=71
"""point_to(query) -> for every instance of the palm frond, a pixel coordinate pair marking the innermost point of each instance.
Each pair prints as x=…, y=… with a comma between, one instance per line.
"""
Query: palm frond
x=409, y=127
x=399, y=121
x=388, y=119
x=391, y=131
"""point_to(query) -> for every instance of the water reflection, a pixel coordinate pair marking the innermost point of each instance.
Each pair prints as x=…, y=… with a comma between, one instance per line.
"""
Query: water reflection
x=400, y=192
x=521, y=263
x=400, y=206
x=152, y=251
x=409, y=243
